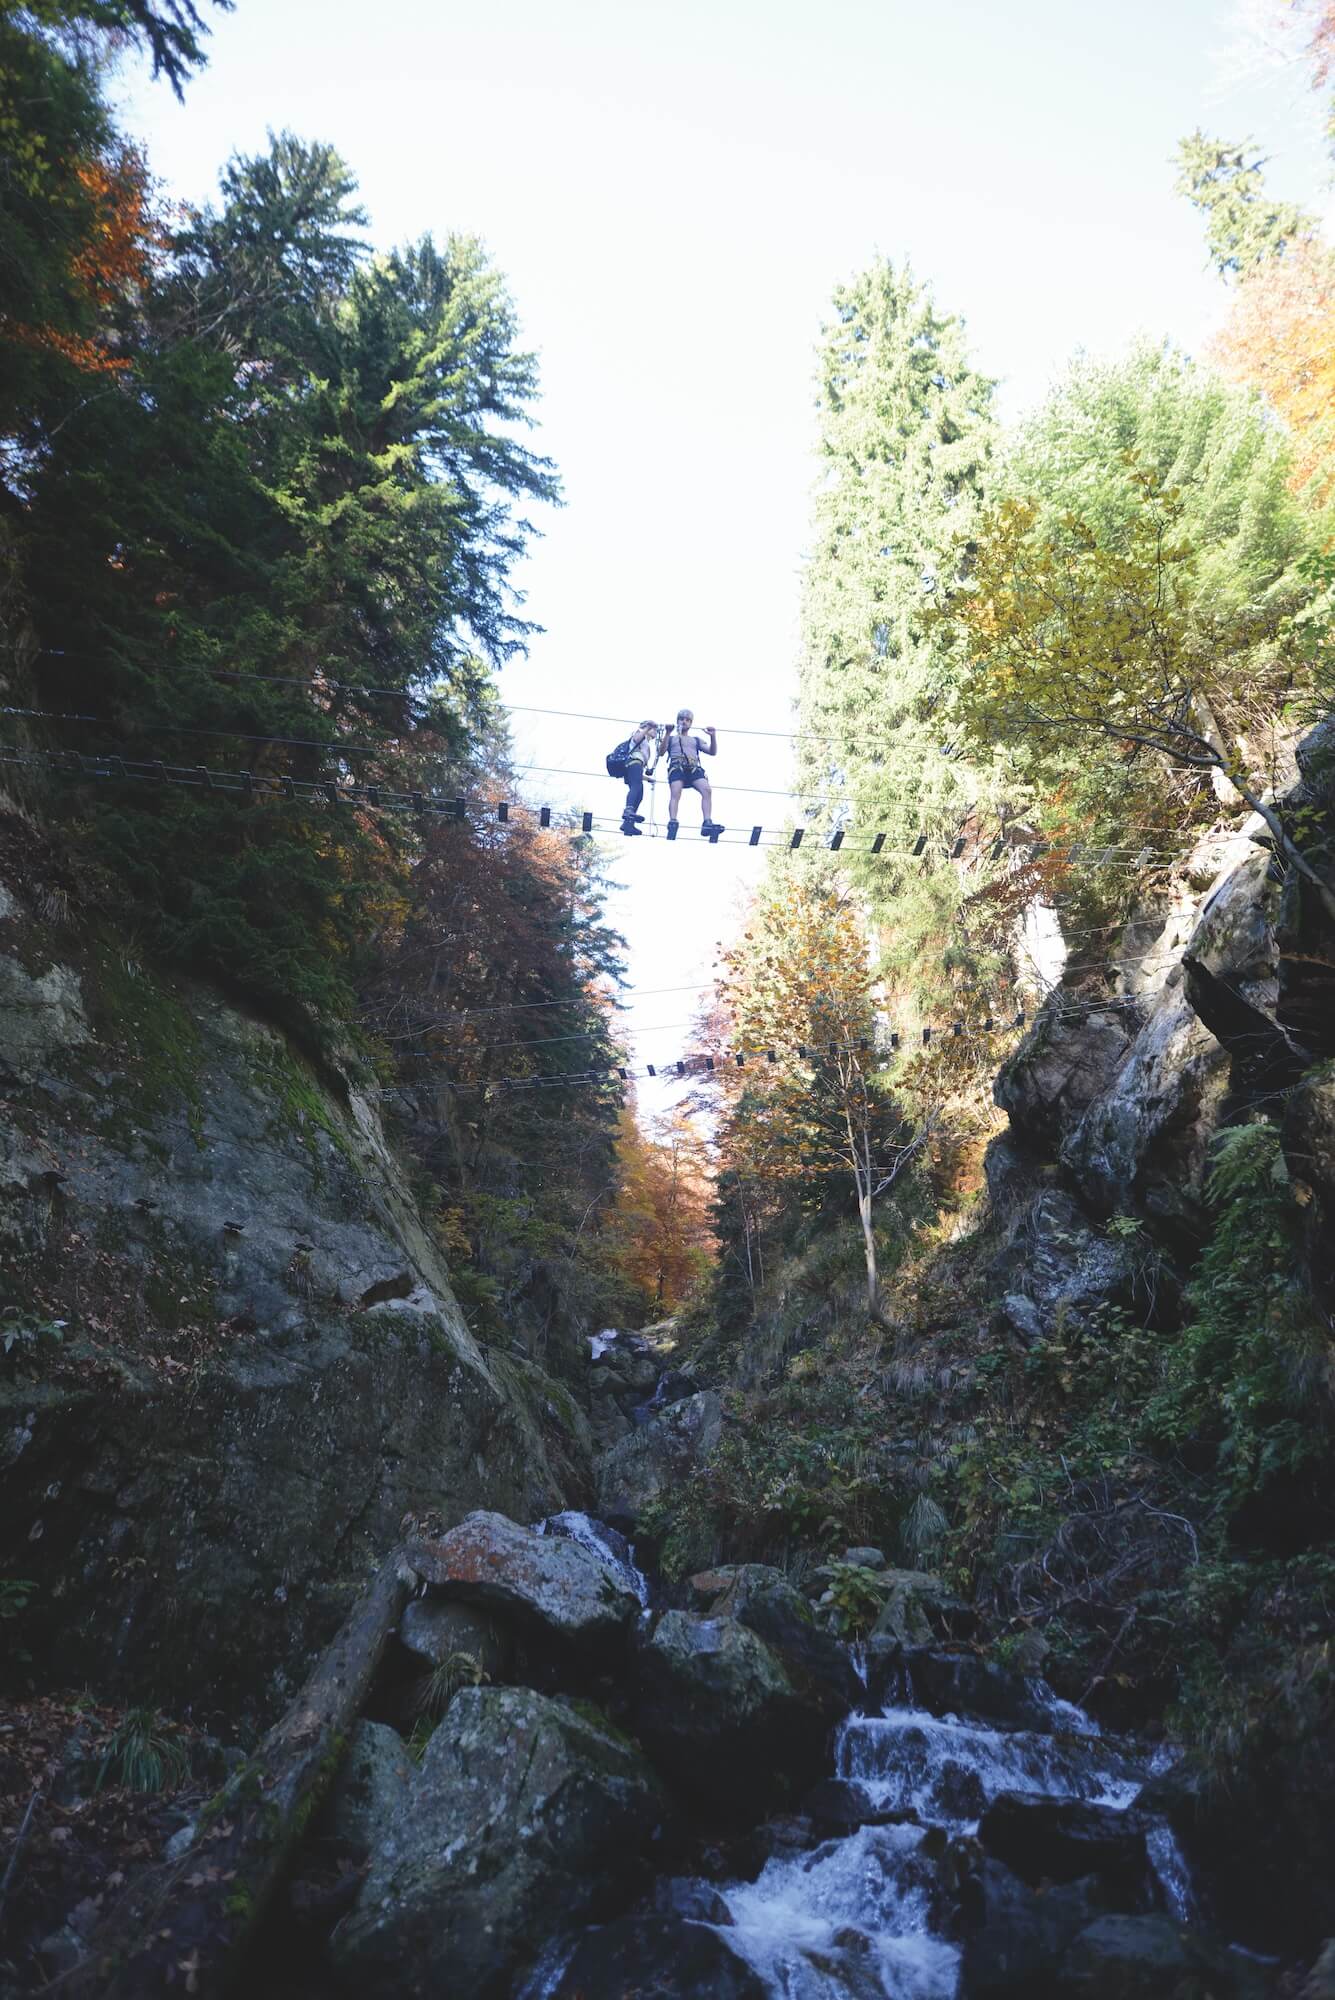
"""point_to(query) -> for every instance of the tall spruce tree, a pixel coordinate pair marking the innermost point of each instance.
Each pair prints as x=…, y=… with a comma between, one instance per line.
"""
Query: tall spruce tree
x=1244, y=225
x=906, y=435
x=281, y=543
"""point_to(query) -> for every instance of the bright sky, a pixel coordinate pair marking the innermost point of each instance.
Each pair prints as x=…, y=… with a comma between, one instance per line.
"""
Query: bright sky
x=673, y=191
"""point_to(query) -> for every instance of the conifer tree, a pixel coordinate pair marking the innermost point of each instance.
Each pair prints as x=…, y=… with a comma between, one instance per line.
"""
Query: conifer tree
x=906, y=434
x=284, y=544
x=1245, y=225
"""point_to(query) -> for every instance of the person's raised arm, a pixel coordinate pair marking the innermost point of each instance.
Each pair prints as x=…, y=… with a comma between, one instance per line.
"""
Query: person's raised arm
x=713, y=742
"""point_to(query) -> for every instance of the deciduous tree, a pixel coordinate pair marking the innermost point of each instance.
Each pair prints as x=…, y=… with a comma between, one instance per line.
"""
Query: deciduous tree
x=798, y=984
x=1074, y=635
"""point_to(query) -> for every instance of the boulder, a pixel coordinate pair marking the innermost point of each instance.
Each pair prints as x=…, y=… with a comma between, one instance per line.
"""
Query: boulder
x=439, y=1631
x=1061, y=1840
x=962, y=1684
x=865, y=1557
x=1015, y=1938
x=816, y=1663
x=1059, y=1069
x=525, y=1816
x=546, y=1582
x=919, y=1607
x=687, y=1896
x=608, y=1422
x=658, y=1457
x=1058, y=1267
x=1144, y=1141
x=372, y=1786
x=718, y=1710
x=707, y=1585
x=1154, y=1958
x=1017, y=1318
x=841, y=1805
x=674, y=1384
x=658, y=1958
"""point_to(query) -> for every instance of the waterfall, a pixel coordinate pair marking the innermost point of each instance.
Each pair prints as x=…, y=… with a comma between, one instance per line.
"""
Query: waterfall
x=603, y=1541
x=861, y=1918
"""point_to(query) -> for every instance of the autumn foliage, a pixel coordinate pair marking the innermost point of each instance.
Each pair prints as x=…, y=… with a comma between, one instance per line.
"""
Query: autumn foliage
x=1280, y=339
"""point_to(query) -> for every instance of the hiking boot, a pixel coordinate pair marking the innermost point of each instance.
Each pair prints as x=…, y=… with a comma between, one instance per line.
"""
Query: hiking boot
x=629, y=826
x=711, y=826
x=672, y=829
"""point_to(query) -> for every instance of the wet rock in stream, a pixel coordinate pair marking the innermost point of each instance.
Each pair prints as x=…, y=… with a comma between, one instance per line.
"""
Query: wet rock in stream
x=549, y=1582
x=1153, y=1958
x=1017, y=1936
x=1060, y=1840
x=525, y=1815
x=718, y=1708
x=658, y=1958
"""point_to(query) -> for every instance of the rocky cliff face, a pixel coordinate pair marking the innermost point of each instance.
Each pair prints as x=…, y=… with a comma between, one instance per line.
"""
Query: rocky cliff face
x=232, y=1360
x=1221, y=1008
x=1116, y=1107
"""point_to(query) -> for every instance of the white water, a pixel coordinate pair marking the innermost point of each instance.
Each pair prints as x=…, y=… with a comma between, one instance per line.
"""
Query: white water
x=604, y=1542
x=950, y=1771
x=853, y=1919
x=602, y=1343
x=848, y=1920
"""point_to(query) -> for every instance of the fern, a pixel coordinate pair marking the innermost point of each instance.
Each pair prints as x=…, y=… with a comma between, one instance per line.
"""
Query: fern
x=1242, y=1371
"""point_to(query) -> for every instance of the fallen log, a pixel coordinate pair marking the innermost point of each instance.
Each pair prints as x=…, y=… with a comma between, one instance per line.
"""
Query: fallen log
x=183, y=1927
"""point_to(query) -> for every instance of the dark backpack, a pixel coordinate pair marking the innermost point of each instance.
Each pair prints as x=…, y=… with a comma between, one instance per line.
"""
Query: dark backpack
x=618, y=760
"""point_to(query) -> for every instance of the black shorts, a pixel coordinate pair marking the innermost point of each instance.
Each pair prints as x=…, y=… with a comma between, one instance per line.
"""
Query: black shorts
x=685, y=776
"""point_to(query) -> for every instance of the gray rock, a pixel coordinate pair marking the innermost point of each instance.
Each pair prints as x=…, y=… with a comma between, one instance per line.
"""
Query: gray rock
x=868, y=1558
x=917, y=1608
x=720, y=1713
x=686, y=1896
x=438, y=1631
x=1153, y=1958
x=1059, y=1267
x=658, y=1958
x=1019, y=1317
x=526, y=1813
x=551, y=1584
x=657, y=1457
x=1059, y=1069
x=1309, y=1149
x=1018, y=1937
x=43, y=1014
x=840, y=1805
x=372, y=1786
x=963, y=1684
x=257, y=1485
x=1061, y=1840
x=1316, y=764
x=181, y=1842
x=816, y=1664
x=1143, y=1143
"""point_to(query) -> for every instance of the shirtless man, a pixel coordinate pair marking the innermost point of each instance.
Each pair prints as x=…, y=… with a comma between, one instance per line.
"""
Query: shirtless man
x=685, y=745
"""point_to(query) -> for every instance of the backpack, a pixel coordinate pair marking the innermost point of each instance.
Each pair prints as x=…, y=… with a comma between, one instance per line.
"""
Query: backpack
x=618, y=759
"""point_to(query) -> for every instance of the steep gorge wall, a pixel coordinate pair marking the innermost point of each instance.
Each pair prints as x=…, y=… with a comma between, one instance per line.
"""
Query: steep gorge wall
x=234, y=1358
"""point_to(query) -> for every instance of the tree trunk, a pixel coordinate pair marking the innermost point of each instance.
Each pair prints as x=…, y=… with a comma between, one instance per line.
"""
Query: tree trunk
x=185, y=1926
x=869, y=1244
